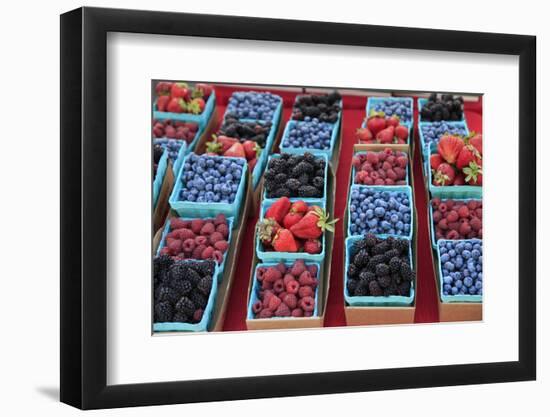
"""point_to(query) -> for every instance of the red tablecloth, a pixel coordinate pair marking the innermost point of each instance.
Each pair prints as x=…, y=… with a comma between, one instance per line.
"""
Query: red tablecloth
x=354, y=112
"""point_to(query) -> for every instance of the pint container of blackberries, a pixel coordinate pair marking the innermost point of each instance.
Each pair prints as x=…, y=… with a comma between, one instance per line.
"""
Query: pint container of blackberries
x=339, y=103
x=202, y=325
x=374, y=103
x=201, y=119
x=159, y=177
x=186, y=208
x=431, y=219
x=458, y=298
x=369, y=300
x=293, y=124
x=423, y=101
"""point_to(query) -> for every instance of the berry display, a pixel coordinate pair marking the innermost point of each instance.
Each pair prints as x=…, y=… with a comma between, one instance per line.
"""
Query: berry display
x=324, y=107
x=211, y=179
x=400, y=108
x=197, y=239
x=293, y=227
x=295, y=176
x=432, y=132
x=252, y=105
x=455, y=219
x=180, y=97
x=458, y=161
x=312, y=135
x=168, y=129
x=372, y=273
x=382, y=129
x=442, y=107
x=379, y=212
x=386, y=167
x=285, y=290
x=461, y=263
x=180, y=296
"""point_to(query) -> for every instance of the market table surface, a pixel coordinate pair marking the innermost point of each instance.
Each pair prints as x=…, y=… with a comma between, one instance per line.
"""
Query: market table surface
x=354, y=112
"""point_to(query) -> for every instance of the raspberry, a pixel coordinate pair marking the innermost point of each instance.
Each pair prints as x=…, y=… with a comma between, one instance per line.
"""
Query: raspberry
x=290, y=300
x=266, y=285
x=287, y=278
x=402, y=161
x=165, y=251
x=265, y=314
x=217, y=256
x=282, y=295
x=201, y=240
x=308, y=313
x=281, y=267
x=174, y=246
x=278, y=286
x=452, y=235
x=442, y=207
x=221, y=245
x=260, y=273
x=436, y=215
x=305, y=291
x=476, y=224
x=196, y=225
x=207, y=253
x=257, y=307
x=197, y=315
x=298, y=267
x=372, y=158
x=390, y=174
x=436, y=202
x=307, y=304
x=266, y=296
x=307, y=279
x=463, y=211
x=454, y=225
x=452, y=216
x=442, y=224
x=273, y=303
x=197, y=252
x=208, y=228
x=297, y=312
x=177, y=223
x=312, y=270
x=220, y=219
x=184, y=234
x=282, y=311
x=292, y=287
x=450, y=203
x=465, y=229
x=472, y=204
x=272, y=274
x=479, y=212
x=223, y=229
x=188, y=245
x=216, y=237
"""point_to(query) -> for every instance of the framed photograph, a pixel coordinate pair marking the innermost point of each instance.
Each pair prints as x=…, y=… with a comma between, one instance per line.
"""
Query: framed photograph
x=258, y=208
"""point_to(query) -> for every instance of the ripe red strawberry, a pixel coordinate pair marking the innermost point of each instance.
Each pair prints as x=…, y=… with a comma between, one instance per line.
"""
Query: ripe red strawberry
x=266, y=230
x=443, y=175
x=299, y=206
x=175, y=105
x=291, y=218
x=162, y=102
x=467, y=154
x=392, y=121
x=459, y=179
x=364, y=135
x=163, y=88
x=312, y=246
x=449, y=147
x=473, y=173
x=401, y=132
x=475, y=139
x=313, y=224
x=284, y=241
x=386, y=135
x=179, y=90
x=235, y=150
x=435, y=160
x=203, y=89
x=376, y=122
x=251, y=149
x=196, y=106
x=278, y=209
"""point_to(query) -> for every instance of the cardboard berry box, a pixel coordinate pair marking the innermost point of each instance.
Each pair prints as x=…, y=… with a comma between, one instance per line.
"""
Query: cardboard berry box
x=202, y=119
x=161, y=207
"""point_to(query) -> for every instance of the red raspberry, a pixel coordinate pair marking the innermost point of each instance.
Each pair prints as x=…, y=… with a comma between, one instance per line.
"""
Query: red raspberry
x=177, y=223
x=174, y=246
x=382, y=174
x=369, y=181
x=297, y=312
x=307, y=279
x=278, y=286
x=382, y=156
x=220, y=219
x=281, y=267
x=450, y=203
x=272, y=274
x=379, y=181
x=374, y=175
x=266, y=285
x=308, y=313
x=257, y=307
x=287, y=278
x=442, y=207
x=402, y=161
x=165, y=251
x=452, y=216
x=389, y=181
x=480, y=233
x=217, y=256
x=391, y=160
x=472, y=204
x=282, y=311
x=216, y=237
x=366, y=167
x=267, y=294
x=400, y=172
x=471, y=235
x=307, y=304
x=196, y=225
x=305, y=291
x=223, y=229
x=282, y=295
x=479, y=212
x=386, y=165
x=356, y=162
x=390, y=173
x=436, y=215
x=463, y=211
x=436, y=202
x=197, y=252
x=454, y=225
x=372, y=157
x=292, y=287
x=442, y=224
x=208, y=228
x=265, y=314
x=185, y=234
x=221, y=245
x=312, y=270
x=465, y=229
x=207, y=253
x=452, y=234
x=290, y=300
x=260, y=273
x=197, y=315
x=273, y=303
x=439, y=235
x=188, y=245
x=476, y=224
x=201, y=240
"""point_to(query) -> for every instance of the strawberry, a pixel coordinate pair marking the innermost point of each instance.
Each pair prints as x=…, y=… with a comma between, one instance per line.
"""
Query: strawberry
x=291, y=218
x=284, y=241
x=163, y=88
x=449, y=147
x=162, y=102
x=213, y=147
x=386, y=135
x=312, y=246
x=475, y=139
x=204, y=89
x=252, y=163
x=278, y=209
x=251, y=149
x=401, y=132
x=196, y=106
x=266, y=230
x=364, y=135
x=435, y=160
x=444, y=175
x=392, y=121
x=179, y=90
x=376, y=122
x=459, y=179
x=467, y=154
x=226, y=142
x=473, y=173
x=313, y=224
x=236, y=150
x=299, y=206
x=175, y=105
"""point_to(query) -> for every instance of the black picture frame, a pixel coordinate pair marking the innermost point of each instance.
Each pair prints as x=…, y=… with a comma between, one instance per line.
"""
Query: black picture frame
x=84, y=207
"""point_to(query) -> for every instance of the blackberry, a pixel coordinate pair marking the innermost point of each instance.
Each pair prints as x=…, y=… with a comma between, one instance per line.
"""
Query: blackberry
x=380, y=248
x=162, y=263
x=370, y=240
x=186, y=306
x=157, y=153
x=293, y=184
x=178, y=271
x=391, y=289
x=308, y=191
x=351, y=286
x=396, y=278
x=198, y=299
x=204, y=268
x=163, y=312
x=277, y=165
x=361, y=289
x=182, y=287
x=382, y=270
x=180, y=317
x=310, y=158
x=302, y=168
x=280, y=178
x=374, y=289
x=391, y=254
x=366, y=275
x=352, y=270
x=294, y=160
x=204, y=285
x=304, y=179
x=269, y=175
x=401, y=245
x=406, y=271
x=404, y=288
x=361, y=258
x=384, y=281
x=281, y=192
x=319, y=182
x=360, y=244
x=319, y=173
x=375, y=260
x=192, y=276
x=166, y=294
x=395, y=264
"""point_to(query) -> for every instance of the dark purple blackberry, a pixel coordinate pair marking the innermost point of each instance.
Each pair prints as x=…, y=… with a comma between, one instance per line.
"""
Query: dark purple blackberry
x=384, y=281
x=178, y=271
x=391, y=289
x=166, y=294
x=301, y=168
x=163, y=312
x=380, y=248
x=362, y=289
x=180, y=317
x=382, y=270
x=374, y=289
x=308, y=191
x=361, y=258
x=304, y=179
x=281, y=179
x=406, y=271
x=157, y=153
x=391, y=254
x=370, y=240
x=366, y=275
x=162, y=263
x=182, y=287
x=293, y=184
x=404, y=288
x=186, y=306
x=375, y=260
x=198, y=299
x=204, y=268
x=281, y=192
x=353, y=270
x=401, y=245
x=319, y=182
x=204, y=285
x=351, y=286
x=395, y=264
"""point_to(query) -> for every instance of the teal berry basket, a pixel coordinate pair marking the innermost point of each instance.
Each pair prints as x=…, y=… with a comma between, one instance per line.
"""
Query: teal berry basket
x=373, y=101
x=471, y=192
x=254, y=293
x=423, y=143
x=300, y=151
x=201, y=119
x=459, y=298
x=159, y=177
x=432, y=226
x=276, y=114
x=421, y=102
x=272, y=256
x=370, y=300
x=201, y=326
x=166, y=230
x=353, y=170
x=211, y=209
x=306, y=199
x=383, y=188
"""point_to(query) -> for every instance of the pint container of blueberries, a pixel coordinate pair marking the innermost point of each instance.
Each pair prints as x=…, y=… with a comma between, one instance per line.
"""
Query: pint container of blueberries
x=352, y=231
x=254, y=117
x=166, y=230
x=256, y=287
x=201, y=119
x=202, y=325
x=159, y=177
x=288, y=147
x=458, y=298
x=186, y=208
x=371, y=300
x=272, y=256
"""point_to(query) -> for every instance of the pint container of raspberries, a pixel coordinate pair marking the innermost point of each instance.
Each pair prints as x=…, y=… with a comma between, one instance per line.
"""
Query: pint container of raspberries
x=460, y=270
x=284, y=291
x=183, y=102
x=381, y=210
x=378, y=271
x=197, y=239
x=292, y=175
x=171, y=133
x=209, y=185
x=159, y=168
x=310, y=136
x=455, y=219
x=386, y=167
x=184, y=294
x=290, y=229
x=253, y=106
